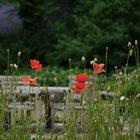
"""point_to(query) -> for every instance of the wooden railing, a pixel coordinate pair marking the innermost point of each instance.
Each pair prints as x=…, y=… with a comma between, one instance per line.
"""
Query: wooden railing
x=40, y=107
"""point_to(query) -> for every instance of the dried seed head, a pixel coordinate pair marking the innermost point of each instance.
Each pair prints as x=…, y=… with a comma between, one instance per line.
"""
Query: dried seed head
x=83, y=59
x=136, y=43
x=129, y=44
x=19, y=53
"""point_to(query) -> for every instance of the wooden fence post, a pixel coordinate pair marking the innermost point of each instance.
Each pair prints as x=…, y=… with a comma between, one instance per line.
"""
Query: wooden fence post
x=48, y=111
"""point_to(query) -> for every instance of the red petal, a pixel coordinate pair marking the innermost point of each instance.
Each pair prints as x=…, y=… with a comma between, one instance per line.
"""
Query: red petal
x=98, y=68
x=39, y=68
x=77, y=90
x=82, y=77
x=34, y=63
x=26, y=80
x=80, y=85
x=33, y=81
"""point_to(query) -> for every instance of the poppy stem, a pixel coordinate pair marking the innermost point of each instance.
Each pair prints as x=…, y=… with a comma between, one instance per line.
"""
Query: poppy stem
x=8, y=54
x=106, y=58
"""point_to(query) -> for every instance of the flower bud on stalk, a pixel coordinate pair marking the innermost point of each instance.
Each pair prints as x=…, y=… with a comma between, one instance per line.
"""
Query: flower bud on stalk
x=11, y=65
x=19, y=53
x=129, y=44
x=136, y=43
x=15, y=66
x=83, y=59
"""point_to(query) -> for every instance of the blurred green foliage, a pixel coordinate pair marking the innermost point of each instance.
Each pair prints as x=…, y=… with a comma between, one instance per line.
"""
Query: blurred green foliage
x=54, y=76
x=54, y=31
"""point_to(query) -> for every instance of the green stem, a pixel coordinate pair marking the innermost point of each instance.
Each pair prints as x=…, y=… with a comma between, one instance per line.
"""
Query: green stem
x=106, y=57
x=8, y=53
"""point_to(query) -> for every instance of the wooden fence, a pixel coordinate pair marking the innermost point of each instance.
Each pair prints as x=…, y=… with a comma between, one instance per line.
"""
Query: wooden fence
x=14, y=86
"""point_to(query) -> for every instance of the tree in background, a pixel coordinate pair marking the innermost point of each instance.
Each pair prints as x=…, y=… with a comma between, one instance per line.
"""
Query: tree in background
x=54, y=31
x=98, y=24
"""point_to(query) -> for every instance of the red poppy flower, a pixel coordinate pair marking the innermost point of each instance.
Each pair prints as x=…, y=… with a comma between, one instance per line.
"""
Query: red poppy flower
x=80, y=85
x=30, y=81
x=33, y=81
x=36, y=65
x=26, y=80
x=82, y=77
x=98, y=68
x=77, y=90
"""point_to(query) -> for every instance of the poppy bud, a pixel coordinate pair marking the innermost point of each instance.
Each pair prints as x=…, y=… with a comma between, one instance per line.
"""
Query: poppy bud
x=120, y=73
x=11, y=65
x=69, y=59
x=83, y=59
x=55, y=79
x=91, y=62
x=51, y=105
x=138, y=96
x=129, y=44
x=15, y=66
x=19, y=53
x=136, y=43
x=52, y=96
x=95, y=60
x=122, y=98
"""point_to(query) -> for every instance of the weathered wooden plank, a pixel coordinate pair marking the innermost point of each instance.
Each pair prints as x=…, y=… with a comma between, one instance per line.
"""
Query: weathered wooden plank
x=26, y=90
